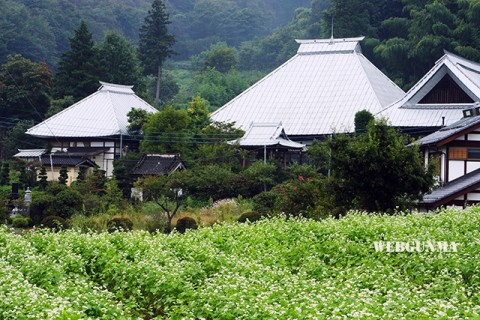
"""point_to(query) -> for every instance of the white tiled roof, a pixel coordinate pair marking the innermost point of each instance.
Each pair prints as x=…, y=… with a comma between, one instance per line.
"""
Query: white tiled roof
x=318, y=91
x=29, y=153
x=267, y=134
x=408, y=112
x=101, y=114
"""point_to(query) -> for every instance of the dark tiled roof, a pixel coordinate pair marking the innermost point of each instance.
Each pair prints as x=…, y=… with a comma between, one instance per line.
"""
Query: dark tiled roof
x=449, y=131
x=155, y=164
x=453, y=189
x=87, y=152
x=67, y=160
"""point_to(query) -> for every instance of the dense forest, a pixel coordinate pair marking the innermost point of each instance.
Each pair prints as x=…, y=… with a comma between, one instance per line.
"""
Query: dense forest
x=54, y=52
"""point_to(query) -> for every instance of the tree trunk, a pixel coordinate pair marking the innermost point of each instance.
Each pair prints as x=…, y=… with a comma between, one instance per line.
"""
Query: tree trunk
x=157, y=93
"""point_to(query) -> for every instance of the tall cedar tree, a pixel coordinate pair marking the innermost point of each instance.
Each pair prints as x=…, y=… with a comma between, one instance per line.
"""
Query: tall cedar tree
x=155, y=42
x=78, y=67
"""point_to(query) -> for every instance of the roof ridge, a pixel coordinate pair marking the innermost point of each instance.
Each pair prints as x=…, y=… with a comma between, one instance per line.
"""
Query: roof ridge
x=114, y=110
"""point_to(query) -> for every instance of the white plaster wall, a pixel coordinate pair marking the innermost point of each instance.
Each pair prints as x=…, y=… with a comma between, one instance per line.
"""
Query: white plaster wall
x=455, y=169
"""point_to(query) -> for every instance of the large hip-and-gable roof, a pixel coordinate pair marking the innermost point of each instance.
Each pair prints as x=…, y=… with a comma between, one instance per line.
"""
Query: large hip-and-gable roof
x=101, y=114
x=316, y=92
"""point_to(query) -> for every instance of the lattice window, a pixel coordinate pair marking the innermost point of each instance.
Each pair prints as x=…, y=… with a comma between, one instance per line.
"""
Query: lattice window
x=458, y=153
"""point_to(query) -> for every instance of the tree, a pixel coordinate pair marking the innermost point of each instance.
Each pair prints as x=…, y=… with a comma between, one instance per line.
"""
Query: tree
x=155, y=42
x=166, y=191
x=78, y=68
x=5, y=174
x=222, y=58
x=63, y=177
x=119, y=62
x=362, y=119
x=377, y=171
x=24, y=89
x=166, y=131
x=42, y=178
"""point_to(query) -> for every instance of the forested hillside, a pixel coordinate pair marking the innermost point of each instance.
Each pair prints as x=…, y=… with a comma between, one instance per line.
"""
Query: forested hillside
x=39, y=29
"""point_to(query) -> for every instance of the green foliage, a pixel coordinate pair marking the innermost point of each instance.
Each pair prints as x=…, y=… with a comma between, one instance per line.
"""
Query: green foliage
x=41, y=206
x=78, y=68
x=221, y=58
x=5, y=173
x=249, y=216
x=377, y=171
x=57, y=105
x=42, y=178
x=119, y=62
x=298, y=196
x=166, y=131
x=20, y=222
x=312, y=264
x=24, y=88
x=185, y=223
x=264, y=202
x=198, y=113
x=259, y=176
x=66, y=203
x=63, y=177
x=54, y=222
x=120, y=224
x=362, y=119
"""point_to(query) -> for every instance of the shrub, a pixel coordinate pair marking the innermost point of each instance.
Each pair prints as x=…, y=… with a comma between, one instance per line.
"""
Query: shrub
x=186, y=223
x=40, y=206
x=21, y=222
x=250, y=216
x=54, y=222
x=295, y=197
x=264, y=202
x=120, y=224
x=66, y=203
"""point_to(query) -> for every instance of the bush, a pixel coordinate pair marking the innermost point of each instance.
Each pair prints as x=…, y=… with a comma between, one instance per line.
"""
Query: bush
x=186, y=223
x=250, y=216
x=40, y=206
x=54, y=222
x=66, y=203
x=297, y=196
x=264, y=202
x=120, y=224
x=21, y=222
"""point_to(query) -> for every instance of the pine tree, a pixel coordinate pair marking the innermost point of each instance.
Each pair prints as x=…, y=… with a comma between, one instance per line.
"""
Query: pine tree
x=78, y=67
x=63, y=178
x=42, y=178
x=155, y=42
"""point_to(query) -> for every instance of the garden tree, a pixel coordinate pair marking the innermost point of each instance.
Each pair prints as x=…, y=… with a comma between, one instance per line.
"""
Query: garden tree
x=114, y=195
x=118, y=61
x=155, y=42
x=167, y=131
x=259, y=176
x=42, y=178
x=166, y=191
x=377, y=171
x=78, y=68
x=82, y=173
x=5, y=173
x=319, y=156
x=198, y=113
x=63, y=177
x=362, y=119
x=136, y=119
x=212, y=147
x=122, y=168
x=24, y=89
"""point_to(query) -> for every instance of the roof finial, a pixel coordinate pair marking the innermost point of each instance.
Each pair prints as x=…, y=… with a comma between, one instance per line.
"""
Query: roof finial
x=332, y=29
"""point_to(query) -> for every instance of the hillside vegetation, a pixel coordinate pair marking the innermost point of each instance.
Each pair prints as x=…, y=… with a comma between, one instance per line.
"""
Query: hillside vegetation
x=278, y=268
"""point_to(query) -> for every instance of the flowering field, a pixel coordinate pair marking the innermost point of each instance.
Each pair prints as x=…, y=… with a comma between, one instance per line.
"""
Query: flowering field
x=274, y=269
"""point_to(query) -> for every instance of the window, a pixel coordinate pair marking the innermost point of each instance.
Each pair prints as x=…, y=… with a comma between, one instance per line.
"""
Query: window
x=458, y=153
x=464, y=153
